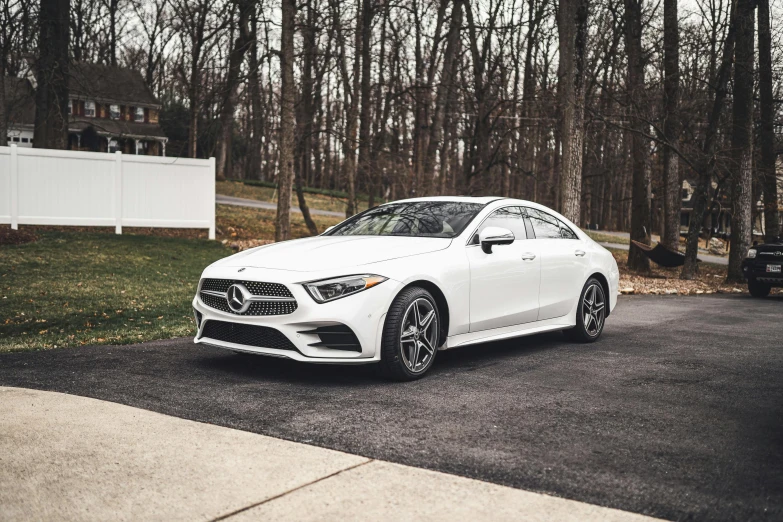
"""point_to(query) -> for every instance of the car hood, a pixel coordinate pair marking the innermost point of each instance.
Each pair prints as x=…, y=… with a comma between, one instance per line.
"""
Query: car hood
x=770, y=248
x=322, y=253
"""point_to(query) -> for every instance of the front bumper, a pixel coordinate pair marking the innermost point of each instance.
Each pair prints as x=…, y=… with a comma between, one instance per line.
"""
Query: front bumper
x=363, y=313
x=756, y=270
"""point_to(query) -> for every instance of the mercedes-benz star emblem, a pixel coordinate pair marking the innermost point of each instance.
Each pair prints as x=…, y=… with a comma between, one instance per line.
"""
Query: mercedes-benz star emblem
x=237, y=297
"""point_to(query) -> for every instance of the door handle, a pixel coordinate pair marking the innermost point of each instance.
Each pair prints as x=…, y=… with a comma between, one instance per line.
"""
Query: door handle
x=528, y=256
x=579, y=253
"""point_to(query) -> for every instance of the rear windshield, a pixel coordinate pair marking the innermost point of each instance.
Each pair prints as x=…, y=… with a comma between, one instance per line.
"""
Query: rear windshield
x=415, y=219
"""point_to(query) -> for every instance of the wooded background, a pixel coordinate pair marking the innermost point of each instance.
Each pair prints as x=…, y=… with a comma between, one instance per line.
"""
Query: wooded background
x=597, y=108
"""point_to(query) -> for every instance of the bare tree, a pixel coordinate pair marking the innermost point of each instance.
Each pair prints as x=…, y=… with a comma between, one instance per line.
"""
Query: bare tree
x=51, y=100
x=671, y=126
x=767, y=113
x=572, y=28
x=240, y=46
x=198, y=23
x=707, y=165
x=741, y=140
x=640, y=202
x=287, y=122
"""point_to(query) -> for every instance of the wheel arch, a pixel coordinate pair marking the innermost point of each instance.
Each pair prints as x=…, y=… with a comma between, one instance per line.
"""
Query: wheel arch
x=605, y=285
x=440, y=301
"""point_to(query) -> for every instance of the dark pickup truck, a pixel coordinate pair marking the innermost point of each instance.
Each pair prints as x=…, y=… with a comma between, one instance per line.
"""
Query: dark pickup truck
x=763, y=267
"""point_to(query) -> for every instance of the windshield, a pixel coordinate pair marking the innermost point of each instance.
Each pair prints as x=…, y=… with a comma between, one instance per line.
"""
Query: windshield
x=415, y=219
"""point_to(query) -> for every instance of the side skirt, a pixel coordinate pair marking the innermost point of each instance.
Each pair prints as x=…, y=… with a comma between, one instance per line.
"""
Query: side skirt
x=507, y=332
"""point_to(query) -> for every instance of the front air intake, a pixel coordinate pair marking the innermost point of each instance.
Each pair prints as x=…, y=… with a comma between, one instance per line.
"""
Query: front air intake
x=336, y=337
x=246, y=334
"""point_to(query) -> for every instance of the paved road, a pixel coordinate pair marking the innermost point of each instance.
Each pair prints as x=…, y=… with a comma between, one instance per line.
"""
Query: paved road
x=704, y=257
x=220, y=199
x=676, y=412
x=620, y=246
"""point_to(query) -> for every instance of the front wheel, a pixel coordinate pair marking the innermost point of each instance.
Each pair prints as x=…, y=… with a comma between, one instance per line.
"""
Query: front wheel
x=410, y=335
x=757, y=289
x=590, y=313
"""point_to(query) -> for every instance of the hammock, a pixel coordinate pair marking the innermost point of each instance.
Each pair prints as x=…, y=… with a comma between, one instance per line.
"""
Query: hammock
x=661, y=255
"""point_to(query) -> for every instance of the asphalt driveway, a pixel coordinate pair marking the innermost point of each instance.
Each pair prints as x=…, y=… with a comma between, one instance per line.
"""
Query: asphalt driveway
x=677, y=412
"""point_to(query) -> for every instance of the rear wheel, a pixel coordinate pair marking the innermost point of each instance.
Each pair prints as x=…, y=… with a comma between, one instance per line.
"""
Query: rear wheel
x=590, y=313
x=757, y=289
x=410, y=335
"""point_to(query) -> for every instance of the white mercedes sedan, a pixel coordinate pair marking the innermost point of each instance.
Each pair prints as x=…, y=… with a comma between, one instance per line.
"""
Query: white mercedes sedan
x=397, y=283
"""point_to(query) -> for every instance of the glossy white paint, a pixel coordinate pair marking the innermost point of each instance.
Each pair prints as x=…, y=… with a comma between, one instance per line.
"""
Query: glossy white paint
x=527, y=287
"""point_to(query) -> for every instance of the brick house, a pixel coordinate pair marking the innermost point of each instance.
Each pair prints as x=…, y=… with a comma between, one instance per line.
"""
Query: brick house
x=110, y=109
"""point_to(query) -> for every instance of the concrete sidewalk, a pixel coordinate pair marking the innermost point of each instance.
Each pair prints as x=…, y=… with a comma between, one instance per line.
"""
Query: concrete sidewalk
x=75, y=458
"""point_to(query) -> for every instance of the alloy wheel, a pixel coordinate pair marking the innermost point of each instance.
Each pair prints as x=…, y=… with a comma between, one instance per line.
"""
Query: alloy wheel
x=419, y=335
x=593, y=309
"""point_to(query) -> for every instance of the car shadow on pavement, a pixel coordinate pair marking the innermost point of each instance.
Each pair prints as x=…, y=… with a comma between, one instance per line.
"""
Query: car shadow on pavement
x=252, y=367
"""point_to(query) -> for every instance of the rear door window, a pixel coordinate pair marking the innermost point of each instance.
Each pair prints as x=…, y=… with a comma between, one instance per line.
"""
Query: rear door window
x=547, y=226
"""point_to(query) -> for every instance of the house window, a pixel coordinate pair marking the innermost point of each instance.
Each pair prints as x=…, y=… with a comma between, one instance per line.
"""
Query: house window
x=89, y=109
x=25, y=140
x=16, y=139
x=138, y=116
x=114, y=111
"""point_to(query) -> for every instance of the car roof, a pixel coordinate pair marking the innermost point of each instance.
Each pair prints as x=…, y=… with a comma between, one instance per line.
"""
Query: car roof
x=483, y=200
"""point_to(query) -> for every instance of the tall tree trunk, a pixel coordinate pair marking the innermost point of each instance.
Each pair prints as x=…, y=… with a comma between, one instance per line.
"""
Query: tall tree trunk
x=257, y=121
x=767, y=127
x=742, y=140
x=444, y=87
x=640, y=202
x=304, y=120
x=672, y=199
x=364, y=173
x=351, y=101
x=707, y=165
x=287, y=122
x=193, y=98
x=113, y=6
x=572, y=29
x=51, y=98
x=235, y=59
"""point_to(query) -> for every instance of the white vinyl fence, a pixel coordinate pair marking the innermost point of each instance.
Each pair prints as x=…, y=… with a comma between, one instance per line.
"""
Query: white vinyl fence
x=62, y=187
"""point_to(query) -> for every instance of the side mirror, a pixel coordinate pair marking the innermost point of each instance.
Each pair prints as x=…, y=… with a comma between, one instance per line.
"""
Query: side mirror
x=491, y=236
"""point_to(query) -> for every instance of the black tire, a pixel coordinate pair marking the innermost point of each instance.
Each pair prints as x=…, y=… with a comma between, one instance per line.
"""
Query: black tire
x=757, y=289
x=589, y=333
x=395, y=353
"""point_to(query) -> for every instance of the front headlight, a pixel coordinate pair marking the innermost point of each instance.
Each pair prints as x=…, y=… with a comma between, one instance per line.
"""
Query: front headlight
x=752, y=253
x=331, y=289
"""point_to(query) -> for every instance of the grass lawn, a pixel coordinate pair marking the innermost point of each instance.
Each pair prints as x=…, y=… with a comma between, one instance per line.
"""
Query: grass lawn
x=77, y=286
x=316, y=201
x=250, y=223
x=69, y=288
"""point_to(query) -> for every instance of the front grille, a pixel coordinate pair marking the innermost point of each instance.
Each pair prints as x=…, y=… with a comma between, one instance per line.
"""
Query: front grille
x=246, y=334
x=255, y=288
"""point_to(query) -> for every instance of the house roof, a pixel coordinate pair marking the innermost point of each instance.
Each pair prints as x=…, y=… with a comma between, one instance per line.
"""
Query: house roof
x=20, y=101
x=106, y=84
